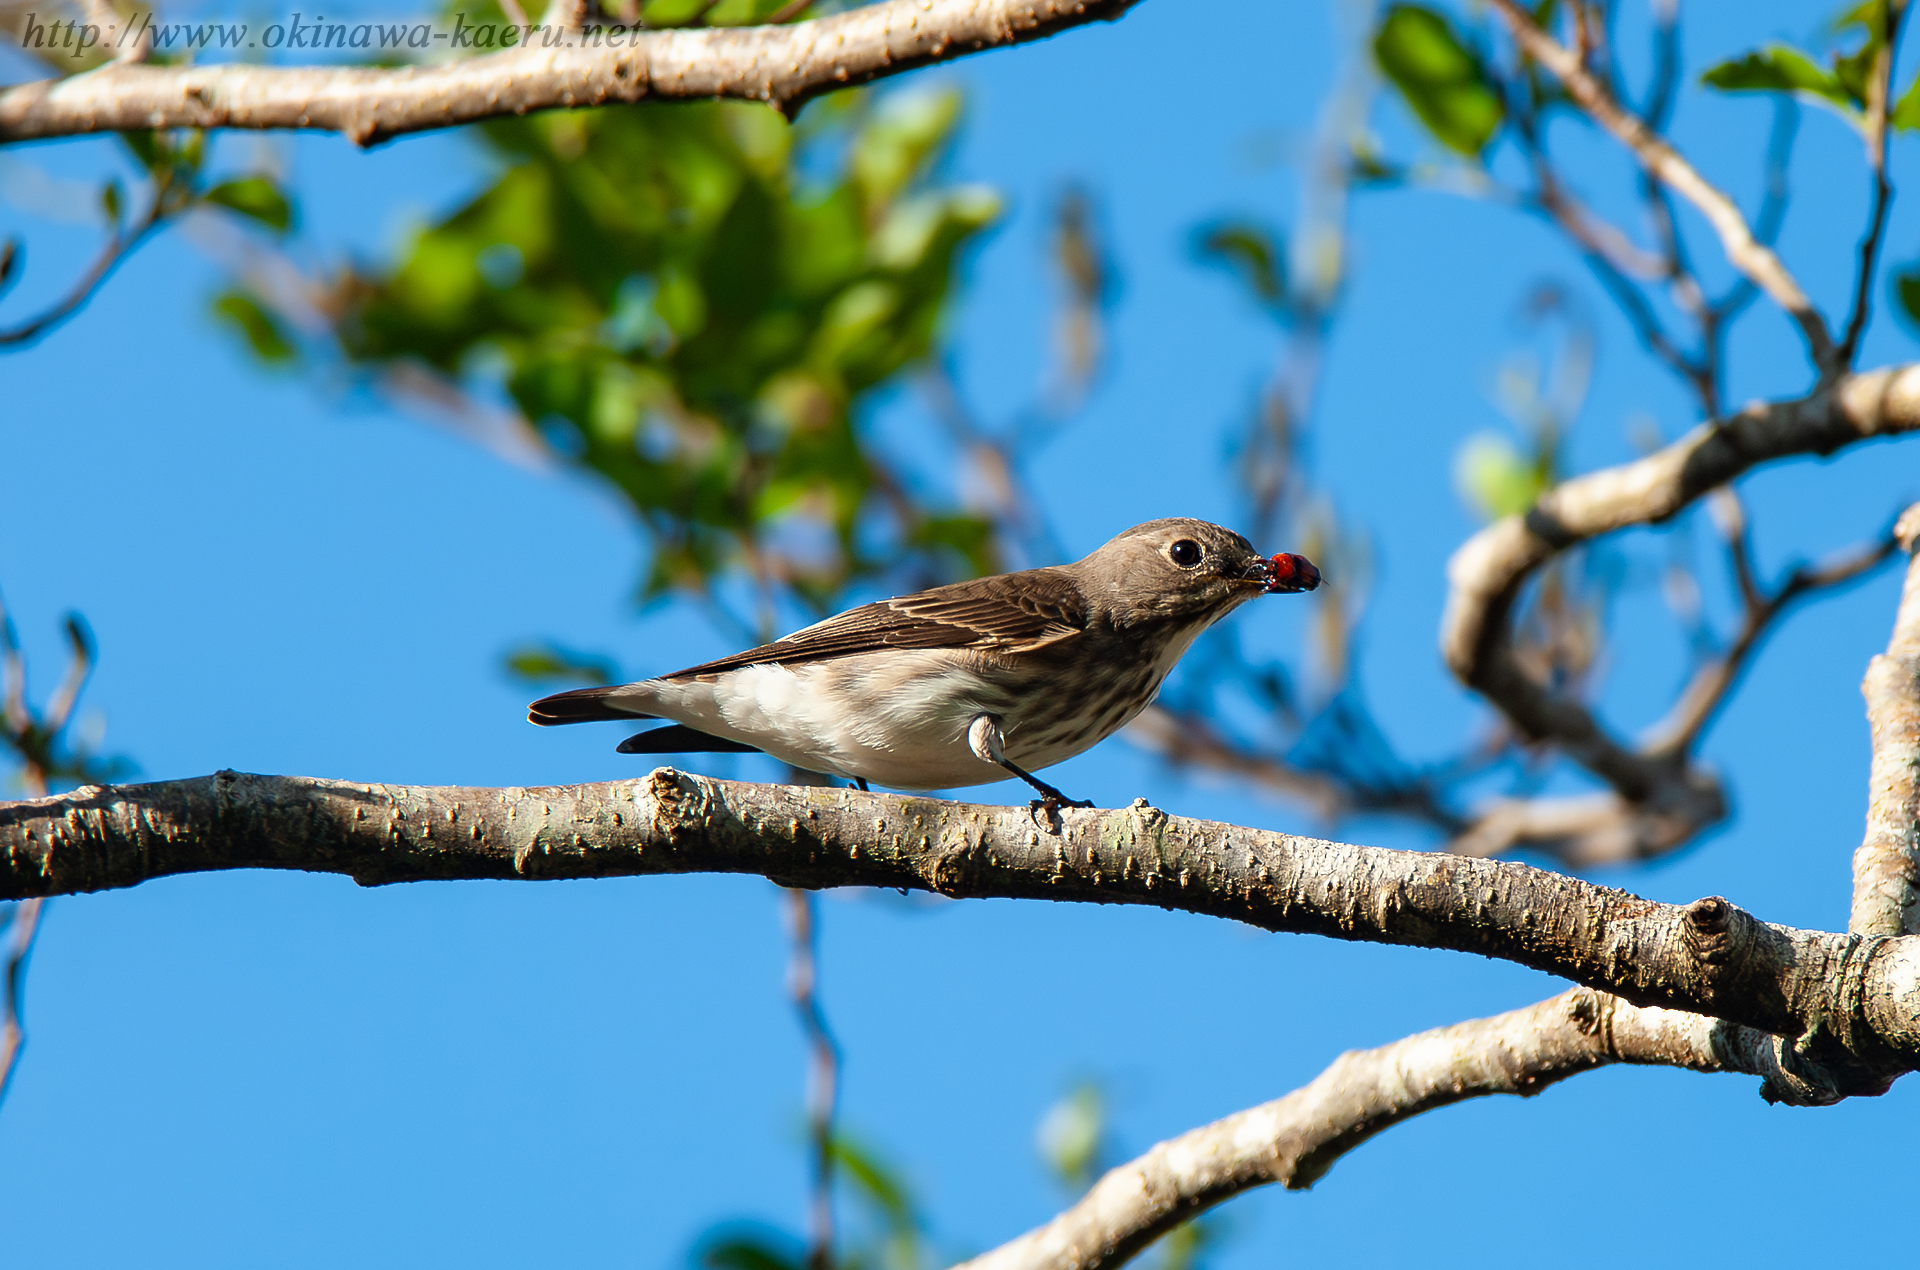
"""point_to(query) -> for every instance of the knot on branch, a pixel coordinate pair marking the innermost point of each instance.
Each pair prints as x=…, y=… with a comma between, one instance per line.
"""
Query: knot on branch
x=679, y=801
x=1715, y=932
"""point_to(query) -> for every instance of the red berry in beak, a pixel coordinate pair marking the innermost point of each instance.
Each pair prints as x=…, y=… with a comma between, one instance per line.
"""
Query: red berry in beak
x=1287, y=572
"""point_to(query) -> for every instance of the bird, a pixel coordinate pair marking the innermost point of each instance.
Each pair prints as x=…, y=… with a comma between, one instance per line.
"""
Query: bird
x=961, y=684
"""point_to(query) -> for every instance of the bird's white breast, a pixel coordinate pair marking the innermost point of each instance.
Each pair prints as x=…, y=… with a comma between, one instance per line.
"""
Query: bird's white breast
x=897, y=718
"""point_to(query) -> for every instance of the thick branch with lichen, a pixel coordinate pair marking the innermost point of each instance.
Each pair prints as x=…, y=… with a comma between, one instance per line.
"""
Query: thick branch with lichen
x=1853, y=1003
x=783, y=66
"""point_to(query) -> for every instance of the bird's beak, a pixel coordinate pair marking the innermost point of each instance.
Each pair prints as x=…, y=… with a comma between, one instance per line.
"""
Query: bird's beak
x=1284, y=573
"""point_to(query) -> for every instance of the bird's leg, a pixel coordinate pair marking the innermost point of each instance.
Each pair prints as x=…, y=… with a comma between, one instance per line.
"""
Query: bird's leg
x=1050, y=797
x=987, y=744
x=860, y=783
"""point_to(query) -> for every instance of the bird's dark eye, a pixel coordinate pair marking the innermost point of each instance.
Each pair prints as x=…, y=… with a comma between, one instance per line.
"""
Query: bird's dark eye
x=1185, y=553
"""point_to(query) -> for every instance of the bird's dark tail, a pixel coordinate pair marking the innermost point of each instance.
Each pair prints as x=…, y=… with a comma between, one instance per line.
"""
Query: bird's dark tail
x=582, y=705
x=677, y=738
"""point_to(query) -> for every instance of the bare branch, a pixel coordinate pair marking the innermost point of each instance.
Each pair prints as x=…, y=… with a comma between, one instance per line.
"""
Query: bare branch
x=1582, y=831
x=25, y=923
x=1746, y=252
x=1708, y=689
x=1184, y=739
x=117, y=249
x=1487, y=573
x=1294, y=1140
x=1853, y=1003
x=781, y=65
x=823, y=1072
x=1886, y=868
x=13, y=1036
x=1874, y=119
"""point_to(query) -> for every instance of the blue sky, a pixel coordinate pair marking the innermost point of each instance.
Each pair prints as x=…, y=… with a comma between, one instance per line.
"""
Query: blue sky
x=261, y=1069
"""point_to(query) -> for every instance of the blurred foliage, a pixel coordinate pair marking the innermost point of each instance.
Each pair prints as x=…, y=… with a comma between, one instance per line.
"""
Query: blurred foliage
x=551, y=663
x=1071, y=1137
x=42, y=743
x=1251, y=252
x=1440, y=77
x=693, y=302
x=257, y=198
x=884, y=1231
x=1496, y=478
x=1075, y=1142
x=170, y=178
x=1840, y=86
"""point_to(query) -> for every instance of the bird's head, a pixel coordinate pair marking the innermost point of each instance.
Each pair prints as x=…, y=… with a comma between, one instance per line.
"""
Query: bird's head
x=1179, y=568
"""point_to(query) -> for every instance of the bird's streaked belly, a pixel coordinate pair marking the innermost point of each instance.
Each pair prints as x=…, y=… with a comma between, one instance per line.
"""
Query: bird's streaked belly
x=899, y=718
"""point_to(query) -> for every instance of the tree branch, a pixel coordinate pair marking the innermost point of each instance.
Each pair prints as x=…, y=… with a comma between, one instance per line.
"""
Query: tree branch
x=1874, y=127
x=1675, y=799
x=1294, y=1140
x=1708, y=689
x=1853, y=1003
x=1746, y=252
x=783, y=66
x=1886, y=868
x=117, y=249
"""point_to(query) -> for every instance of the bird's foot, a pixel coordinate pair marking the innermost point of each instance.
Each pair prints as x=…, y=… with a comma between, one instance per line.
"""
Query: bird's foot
x=1050, y=798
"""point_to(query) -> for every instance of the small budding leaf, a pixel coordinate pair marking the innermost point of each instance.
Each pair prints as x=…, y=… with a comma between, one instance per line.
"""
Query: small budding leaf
x=262, y=331
x=1443, y=81
x=1253, y=252
x=1071, y=1135
x=257, y=198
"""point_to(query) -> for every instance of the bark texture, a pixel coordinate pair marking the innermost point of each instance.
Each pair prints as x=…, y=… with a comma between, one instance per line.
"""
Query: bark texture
x=1294, y=1140
x=783, y=66
x=1886, y=868
x=1851, y=1003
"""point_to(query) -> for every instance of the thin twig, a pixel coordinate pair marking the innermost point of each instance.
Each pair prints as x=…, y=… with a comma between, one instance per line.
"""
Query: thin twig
x=823, y=1073
x=13, y=1035
x=1875, y=130
x=1707, y=690
x=118, y=248
x=26, y=926
x=1747, y=254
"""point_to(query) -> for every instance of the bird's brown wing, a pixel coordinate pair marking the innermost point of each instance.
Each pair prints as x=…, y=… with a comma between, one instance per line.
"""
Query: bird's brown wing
x=1014, y=612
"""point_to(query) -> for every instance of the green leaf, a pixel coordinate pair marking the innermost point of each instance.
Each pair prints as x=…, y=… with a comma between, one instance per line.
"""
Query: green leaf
x=1906, y=111
x=693, y=303
x=1253, y=253
x=1779, y=69
x=263, y=333
x=255, y=197
x=1443, y=81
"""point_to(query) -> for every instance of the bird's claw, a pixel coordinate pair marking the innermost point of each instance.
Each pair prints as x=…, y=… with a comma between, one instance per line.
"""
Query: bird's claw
x=1046, y=811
